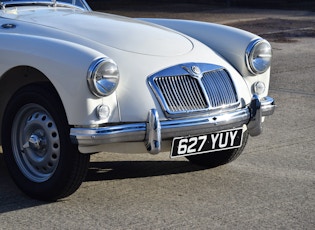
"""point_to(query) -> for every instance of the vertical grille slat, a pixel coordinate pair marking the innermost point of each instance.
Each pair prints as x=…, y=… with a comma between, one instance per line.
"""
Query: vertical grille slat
x=189, y=95
x=183, y=103
x=184, y=93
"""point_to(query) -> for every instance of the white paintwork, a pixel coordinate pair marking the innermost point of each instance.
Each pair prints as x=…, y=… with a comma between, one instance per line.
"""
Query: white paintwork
x=114, y=31
x=62, y=43
x=229, y=42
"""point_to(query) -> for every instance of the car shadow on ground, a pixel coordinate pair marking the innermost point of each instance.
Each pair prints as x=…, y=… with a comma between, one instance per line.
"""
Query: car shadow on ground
x=115, y=170
x=12, y=199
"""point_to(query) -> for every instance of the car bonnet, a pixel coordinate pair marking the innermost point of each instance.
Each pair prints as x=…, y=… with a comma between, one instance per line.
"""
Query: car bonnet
x=122, y=33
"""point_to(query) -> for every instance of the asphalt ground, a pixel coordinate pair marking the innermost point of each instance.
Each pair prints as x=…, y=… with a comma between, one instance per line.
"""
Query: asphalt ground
x=270, y=186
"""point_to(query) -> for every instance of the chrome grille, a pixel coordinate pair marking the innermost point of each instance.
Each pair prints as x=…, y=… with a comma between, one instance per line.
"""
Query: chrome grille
x=219, y=88
x=182, y=93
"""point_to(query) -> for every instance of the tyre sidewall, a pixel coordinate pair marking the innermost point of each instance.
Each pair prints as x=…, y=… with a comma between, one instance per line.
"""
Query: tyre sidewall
x=215, y=159
x=48, y=99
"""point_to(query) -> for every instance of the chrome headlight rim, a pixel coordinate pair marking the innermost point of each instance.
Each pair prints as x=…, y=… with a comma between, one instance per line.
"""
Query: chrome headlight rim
x=100, y=85
x=251, y=56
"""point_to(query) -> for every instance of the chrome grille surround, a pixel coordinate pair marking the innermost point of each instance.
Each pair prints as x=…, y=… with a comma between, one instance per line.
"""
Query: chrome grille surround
x=190, y=88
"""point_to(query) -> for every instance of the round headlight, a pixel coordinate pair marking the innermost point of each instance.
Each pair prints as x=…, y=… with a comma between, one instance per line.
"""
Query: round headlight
x=258, y=56
x=103, y=77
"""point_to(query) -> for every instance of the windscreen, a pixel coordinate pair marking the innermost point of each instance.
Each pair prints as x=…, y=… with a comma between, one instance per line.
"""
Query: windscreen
x=77, y=3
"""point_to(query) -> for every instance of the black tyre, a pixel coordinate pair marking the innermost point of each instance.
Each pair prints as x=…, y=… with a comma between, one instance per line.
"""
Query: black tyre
x=214, y=159
x=36, y=144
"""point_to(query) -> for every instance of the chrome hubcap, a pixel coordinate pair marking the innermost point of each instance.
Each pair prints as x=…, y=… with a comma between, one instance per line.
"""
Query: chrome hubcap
x=35, y=142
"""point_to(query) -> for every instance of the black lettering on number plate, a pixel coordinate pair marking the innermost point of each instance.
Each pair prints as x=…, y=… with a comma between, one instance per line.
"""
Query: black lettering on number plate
x=185, y=146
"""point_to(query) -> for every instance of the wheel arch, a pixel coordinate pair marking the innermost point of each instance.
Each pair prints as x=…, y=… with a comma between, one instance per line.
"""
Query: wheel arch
x=13, y=80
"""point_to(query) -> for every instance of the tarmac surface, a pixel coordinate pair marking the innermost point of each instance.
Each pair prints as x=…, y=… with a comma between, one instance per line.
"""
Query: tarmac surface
x=270, y=186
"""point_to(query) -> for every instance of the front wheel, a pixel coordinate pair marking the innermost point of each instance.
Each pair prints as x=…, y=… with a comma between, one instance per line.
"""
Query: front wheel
x=214, y=159
x=36, y=144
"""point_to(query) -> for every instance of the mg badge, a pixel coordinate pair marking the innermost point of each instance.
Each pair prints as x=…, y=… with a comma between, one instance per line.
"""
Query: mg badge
x=195, y=69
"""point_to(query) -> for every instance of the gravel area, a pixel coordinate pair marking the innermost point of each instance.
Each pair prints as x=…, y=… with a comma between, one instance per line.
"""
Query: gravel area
x=273, y=24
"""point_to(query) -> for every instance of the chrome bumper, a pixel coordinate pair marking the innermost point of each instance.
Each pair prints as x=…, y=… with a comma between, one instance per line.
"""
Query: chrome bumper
x=154, y=131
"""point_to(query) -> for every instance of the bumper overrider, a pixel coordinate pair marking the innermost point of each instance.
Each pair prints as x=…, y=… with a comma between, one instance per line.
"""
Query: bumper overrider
x=154, y=131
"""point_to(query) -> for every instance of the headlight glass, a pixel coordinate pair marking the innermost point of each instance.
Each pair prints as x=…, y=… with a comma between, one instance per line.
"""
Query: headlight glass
x=103, y=77
x=258, y=56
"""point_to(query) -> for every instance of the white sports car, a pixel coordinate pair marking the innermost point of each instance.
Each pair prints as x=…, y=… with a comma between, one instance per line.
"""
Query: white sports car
x=75, y=82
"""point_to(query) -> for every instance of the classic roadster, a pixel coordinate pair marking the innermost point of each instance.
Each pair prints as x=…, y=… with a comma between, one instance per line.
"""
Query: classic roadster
x=75, y=82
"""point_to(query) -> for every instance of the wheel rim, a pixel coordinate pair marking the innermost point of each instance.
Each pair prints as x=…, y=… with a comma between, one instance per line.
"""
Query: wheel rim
x=35, y=142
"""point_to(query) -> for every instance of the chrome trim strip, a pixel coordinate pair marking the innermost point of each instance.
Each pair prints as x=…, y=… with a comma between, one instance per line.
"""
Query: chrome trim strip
x=110, y=134
x=206, y=125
